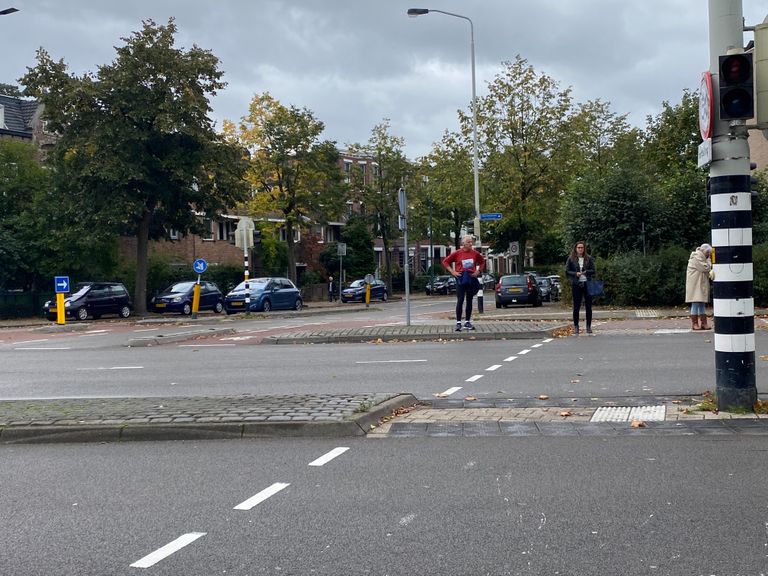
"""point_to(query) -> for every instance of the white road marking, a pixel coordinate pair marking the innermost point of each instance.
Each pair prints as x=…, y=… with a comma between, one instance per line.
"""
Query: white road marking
x=111, y=368
x=523, y=352
x=94, y=332
x=32, y=341
x=474, y=378
x=492, y=368
x=329, y=456
x=261, y=496
x=239, y=338
x=387, y=361
x=44, y=348
x=537, y=345
x=146, y=329
x=205, y=345
x=167, y=550
x=450, y=391
x=510, y=359
x=405, y=520
x=548, y=340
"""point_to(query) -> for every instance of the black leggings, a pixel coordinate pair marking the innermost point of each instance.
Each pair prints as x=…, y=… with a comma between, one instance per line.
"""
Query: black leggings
x=579, y=290
x=463, y=292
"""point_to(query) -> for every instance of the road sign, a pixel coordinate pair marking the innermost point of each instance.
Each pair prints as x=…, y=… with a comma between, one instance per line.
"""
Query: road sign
x=514, y=248
x=341, y=249
x=61, y=284
x=491, y=216
x=706, y=105
x=200, y=265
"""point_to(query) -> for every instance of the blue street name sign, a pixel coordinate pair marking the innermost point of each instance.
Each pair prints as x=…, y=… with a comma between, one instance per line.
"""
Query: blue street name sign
x=61, y=284
x=200, y=265
x=491, y=216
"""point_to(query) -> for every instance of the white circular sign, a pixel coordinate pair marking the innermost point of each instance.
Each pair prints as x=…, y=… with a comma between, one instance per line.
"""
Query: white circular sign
x=705, y=106
x=514, y=248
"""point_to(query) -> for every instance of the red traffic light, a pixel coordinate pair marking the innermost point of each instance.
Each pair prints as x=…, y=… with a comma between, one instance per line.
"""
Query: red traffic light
x=736, y=69
x=736, y=87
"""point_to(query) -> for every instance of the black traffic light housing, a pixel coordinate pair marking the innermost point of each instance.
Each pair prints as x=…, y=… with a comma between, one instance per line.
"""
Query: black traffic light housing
x=737, y=87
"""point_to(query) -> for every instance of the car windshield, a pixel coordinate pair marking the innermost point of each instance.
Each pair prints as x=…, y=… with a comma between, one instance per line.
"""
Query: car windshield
x=255, y=284
x=181, y=287
x=513, y=281
x=357, y=284
x=82, y=289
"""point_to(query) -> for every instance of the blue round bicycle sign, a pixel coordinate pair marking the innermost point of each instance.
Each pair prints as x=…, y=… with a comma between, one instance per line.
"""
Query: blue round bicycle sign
x=200, y=266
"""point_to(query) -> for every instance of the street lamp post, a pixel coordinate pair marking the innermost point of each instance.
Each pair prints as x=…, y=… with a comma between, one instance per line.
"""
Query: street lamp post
x=413, y=12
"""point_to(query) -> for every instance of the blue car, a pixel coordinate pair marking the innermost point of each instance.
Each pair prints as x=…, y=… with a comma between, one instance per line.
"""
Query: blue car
x=178, y=298
x=355, y=292
x=265, y=294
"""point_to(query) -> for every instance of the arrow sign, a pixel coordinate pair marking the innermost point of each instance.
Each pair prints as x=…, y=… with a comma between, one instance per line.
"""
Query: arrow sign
x=200, y=265
x=491, y=216
x=61, y=284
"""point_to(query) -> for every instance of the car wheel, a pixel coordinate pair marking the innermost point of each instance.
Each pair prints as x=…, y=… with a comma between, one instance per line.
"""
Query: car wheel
x=298, y=305
x=82, y=314
x=385, y=296
x=498, y=305
x=267, y=306
x=125, y=311
x=186, y=309
x=218, y=308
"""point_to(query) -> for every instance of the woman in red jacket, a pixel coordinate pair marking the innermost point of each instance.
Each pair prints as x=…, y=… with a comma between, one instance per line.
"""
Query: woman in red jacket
x=465, y=264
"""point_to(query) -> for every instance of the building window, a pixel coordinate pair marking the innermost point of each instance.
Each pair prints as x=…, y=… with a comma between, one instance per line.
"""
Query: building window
x=207, y=234
x=347, y=170
x=2, y=118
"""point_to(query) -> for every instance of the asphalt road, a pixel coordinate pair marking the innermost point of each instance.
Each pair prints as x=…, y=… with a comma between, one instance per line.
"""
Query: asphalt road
x=452, y=506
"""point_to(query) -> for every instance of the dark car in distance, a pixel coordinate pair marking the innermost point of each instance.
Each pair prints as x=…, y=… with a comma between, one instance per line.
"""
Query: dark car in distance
x=355, y=292
x=178, y=298
x=93, y=300
x=266, y=294
x=548, y=289
x=441, y=285
x=518, y=289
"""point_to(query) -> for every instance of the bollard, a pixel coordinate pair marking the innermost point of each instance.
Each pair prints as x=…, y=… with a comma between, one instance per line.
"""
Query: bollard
x=480, y=301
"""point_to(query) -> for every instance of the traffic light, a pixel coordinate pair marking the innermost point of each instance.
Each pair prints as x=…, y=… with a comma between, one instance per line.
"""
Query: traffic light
x=737, y=87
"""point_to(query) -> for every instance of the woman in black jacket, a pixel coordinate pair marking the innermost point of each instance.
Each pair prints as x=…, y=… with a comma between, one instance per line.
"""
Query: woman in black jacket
x=579, y=268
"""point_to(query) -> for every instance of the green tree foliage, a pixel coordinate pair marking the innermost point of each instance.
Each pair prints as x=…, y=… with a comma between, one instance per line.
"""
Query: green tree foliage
x=360, y=259
x=379, y=193
x=293, y=172
x=138, y=152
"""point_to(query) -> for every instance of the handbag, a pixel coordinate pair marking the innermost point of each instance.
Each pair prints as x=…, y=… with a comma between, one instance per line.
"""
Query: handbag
x=595, y=288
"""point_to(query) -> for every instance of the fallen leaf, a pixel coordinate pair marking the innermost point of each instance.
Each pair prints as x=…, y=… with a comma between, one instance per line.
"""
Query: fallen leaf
x=470, y=398
x=677, y=401
x=575, y=381
x=543, y=397
x=764, y=357
x=638, y=424
x=565, y=414
x=440, y=395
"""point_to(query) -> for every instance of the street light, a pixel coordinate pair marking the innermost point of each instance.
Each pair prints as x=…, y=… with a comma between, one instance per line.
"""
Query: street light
x=7, y=11
x=413, y=13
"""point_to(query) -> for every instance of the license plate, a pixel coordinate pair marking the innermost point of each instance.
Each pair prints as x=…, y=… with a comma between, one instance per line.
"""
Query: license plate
x=53, y=309
x=515, y=290
x=238, y=303
x=160, y=305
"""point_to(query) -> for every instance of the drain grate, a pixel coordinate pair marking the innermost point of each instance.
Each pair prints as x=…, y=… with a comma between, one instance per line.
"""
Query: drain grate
x=646, y=314
x=629, y=413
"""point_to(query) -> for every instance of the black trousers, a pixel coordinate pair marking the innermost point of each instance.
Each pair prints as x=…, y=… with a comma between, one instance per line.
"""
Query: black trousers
x=462, y=293
x=579, y=290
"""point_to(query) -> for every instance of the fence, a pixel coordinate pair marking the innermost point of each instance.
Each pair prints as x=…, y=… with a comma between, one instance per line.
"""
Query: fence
x=23, y=304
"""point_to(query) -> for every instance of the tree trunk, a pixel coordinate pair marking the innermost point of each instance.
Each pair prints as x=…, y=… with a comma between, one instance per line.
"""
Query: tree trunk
x=142, y=248
x=291, y=250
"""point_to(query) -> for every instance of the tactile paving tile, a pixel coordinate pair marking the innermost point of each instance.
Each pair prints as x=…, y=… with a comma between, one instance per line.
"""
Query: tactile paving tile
x=629, y=413
x=646, y=314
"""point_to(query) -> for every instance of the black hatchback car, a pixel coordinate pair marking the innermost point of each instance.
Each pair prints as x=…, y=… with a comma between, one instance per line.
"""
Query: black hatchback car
x=518, y=289
x=178, y=298
x=92, y=300
x=441, y=285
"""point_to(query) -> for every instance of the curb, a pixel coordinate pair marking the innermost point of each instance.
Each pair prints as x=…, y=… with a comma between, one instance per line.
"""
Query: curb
x=357, y=425
x=159, y=339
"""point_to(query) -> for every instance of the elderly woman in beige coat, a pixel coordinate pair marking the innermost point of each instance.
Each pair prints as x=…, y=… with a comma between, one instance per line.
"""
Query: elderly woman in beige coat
x=697, y=285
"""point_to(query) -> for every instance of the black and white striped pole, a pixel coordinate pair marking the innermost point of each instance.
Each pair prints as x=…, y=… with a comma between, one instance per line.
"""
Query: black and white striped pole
x=244, y=239
x=731, y=105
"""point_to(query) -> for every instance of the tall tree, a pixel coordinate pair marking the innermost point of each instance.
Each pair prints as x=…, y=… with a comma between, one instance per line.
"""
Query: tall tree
x=138, y=152
x=380, y=192
x=292, y=171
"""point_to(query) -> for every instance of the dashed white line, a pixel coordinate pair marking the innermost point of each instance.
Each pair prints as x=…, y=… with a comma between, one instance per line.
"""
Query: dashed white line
x=111, y=368
x=510, y=358
x=450, y=391
x=325, y=458
x=387, y=361
x=523, y=352
x=261, y=496
x=474, y=378
x=206, y=345
x=32, y=341
x=167, y=550
x=548, y=340
x=44, y=348
x=537, y=345
x=492, y=368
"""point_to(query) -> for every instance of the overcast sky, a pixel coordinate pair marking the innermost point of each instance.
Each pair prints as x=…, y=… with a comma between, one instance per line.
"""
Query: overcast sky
x=355, y=62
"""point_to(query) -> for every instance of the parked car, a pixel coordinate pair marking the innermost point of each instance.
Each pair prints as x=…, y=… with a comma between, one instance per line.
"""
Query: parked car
x=355, y=292
x=93, y=299
x=265, y=294
x=488, y=281
x=557, y=289
x=517, y=289
x=178, y=298
x=546, y=287
x=442, y=285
